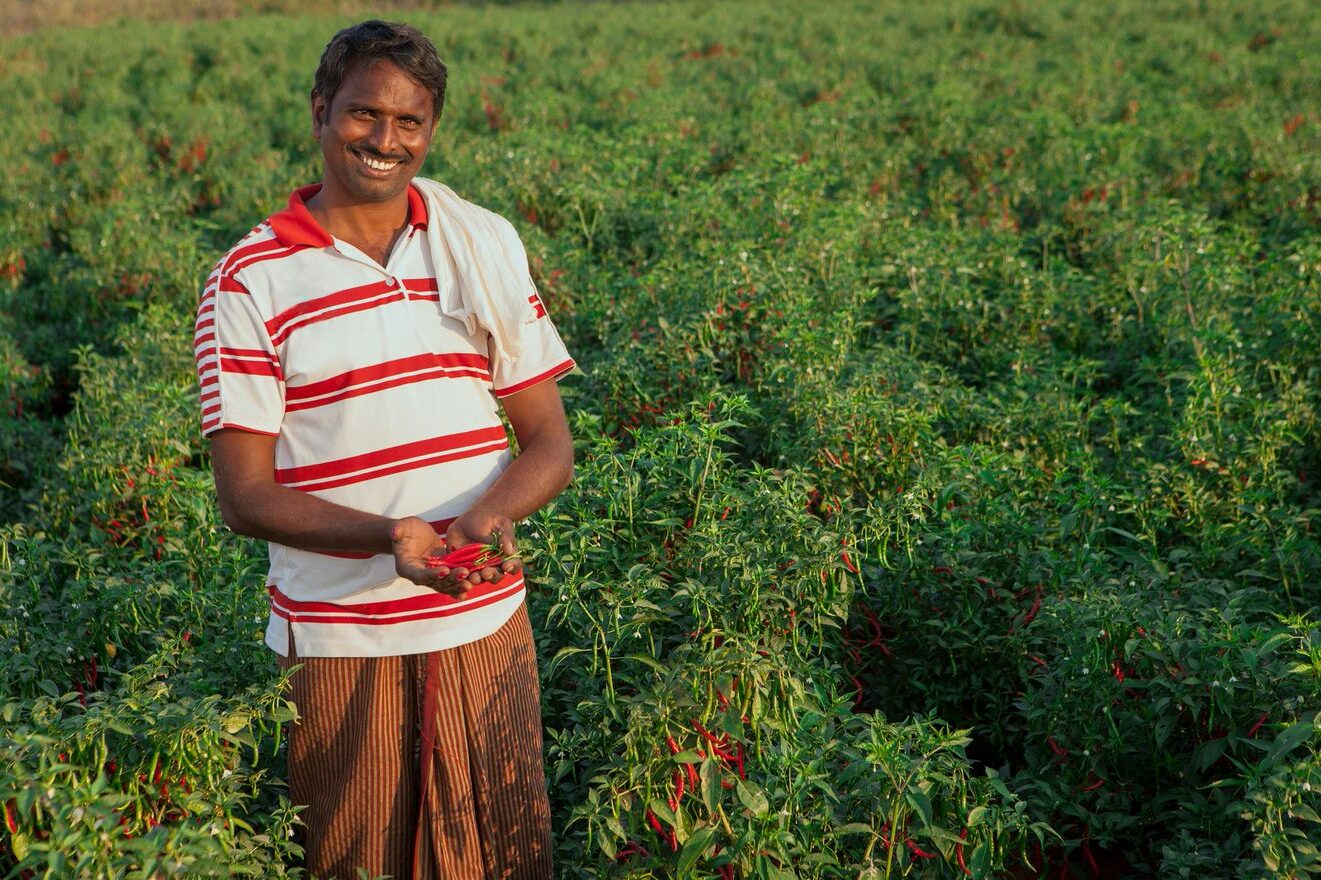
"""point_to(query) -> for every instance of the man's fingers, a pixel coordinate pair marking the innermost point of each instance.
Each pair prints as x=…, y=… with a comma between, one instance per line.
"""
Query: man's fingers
x=507, y=546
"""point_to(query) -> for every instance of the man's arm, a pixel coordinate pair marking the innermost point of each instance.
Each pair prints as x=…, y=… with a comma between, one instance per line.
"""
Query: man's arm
x=253, y=504
x=543, y=468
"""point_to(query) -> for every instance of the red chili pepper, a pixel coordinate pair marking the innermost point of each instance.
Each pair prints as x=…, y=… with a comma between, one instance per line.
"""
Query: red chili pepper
x=678, y=786
x=941, y=569
x=655, y=823
x=723, y=753
x=921, y=854
x=692, y=774
x=1094, y=786
x=467, y=556
x=1032, y=612
x=674, y=746
x=1260, y=721
x=11, y=820
x=958, y=853
x=710, y=737
x=1056, y=747
x=1118, y=671
x=1091, y=862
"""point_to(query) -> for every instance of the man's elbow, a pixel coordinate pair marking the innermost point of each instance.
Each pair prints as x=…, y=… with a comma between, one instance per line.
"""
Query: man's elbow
x=566, y=470
x=231, y=514
x=236, y=509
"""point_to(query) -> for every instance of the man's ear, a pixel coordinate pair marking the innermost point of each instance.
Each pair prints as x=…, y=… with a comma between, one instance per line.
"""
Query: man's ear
x=318, y=114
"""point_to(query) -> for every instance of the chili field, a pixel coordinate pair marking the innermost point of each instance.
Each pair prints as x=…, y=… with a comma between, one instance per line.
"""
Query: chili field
x=948, y=457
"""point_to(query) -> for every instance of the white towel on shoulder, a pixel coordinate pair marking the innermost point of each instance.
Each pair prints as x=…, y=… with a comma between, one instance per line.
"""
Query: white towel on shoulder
x=488, y=284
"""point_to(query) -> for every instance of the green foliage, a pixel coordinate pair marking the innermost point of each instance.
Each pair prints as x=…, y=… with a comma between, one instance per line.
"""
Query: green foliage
x=948, y=432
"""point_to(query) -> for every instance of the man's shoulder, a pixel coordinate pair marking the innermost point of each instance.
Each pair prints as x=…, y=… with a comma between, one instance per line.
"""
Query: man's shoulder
x=463, y=209
x=260, y=241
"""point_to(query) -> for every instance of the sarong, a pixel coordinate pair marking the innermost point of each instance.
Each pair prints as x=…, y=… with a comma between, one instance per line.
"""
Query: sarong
x=473, y=806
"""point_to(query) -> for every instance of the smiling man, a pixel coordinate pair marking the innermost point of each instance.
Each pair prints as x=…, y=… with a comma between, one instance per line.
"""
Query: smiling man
x=354, y=352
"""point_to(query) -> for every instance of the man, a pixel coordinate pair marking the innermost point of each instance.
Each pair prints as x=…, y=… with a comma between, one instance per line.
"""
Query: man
x=350, y=400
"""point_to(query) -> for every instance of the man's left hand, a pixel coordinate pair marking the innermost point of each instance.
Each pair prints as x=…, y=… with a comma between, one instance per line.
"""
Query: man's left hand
x=481, y=526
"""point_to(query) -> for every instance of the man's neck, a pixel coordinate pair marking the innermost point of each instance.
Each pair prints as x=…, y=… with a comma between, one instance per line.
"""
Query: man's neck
x=371, y=227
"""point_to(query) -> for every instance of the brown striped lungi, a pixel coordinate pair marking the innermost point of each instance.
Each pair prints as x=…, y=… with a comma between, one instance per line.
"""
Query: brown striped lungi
x=357, y=761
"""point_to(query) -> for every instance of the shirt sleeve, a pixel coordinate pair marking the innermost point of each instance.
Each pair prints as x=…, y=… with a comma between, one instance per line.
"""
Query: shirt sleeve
x=541, y=352
x=238, y=371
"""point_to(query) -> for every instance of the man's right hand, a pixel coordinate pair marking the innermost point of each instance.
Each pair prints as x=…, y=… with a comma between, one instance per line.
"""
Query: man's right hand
x=413, y=540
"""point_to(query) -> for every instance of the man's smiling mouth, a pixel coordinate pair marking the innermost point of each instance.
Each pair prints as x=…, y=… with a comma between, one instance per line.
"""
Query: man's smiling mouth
x=377, y=164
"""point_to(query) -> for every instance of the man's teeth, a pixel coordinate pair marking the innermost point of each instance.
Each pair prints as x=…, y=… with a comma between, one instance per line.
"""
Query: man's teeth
x=378, y=165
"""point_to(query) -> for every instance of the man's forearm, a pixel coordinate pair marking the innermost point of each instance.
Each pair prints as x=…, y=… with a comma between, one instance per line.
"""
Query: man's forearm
x=296, y=519
x=537, y=475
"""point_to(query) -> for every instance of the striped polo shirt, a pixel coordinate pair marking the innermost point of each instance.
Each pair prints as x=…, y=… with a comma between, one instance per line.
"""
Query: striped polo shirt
x=378, y=402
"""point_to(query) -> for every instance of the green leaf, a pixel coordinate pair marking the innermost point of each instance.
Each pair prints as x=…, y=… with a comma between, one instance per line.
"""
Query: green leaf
x=695, y=848
x=236, y=721
x=709, y=776
x=751, y=797
x=662, y=811
x=19, y=843
x=1292, y=736
x=921, y=804
x=647, y=661
x=853, y=828
x=975, y=816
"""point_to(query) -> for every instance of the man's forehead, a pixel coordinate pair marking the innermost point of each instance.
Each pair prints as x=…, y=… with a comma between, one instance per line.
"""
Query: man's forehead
x=370, y=74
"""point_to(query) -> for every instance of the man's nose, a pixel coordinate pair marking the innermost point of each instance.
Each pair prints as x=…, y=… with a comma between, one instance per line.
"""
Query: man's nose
x=385, y=137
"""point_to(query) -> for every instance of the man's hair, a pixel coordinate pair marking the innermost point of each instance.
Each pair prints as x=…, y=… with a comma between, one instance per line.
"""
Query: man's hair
x=369, y=41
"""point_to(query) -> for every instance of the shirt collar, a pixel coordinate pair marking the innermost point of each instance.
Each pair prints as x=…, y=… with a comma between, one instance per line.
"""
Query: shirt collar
x=295, y=225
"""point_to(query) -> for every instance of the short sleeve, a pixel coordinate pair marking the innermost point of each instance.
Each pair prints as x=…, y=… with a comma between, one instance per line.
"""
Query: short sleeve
x=541, y=355
x=238, y=372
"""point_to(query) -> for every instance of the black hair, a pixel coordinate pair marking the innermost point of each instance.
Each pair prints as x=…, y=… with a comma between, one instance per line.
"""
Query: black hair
x=402, y=45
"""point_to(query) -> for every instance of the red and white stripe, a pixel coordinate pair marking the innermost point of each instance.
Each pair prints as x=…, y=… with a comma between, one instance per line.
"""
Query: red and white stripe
x=390, y=374
x=421, y=607
x=393, y=460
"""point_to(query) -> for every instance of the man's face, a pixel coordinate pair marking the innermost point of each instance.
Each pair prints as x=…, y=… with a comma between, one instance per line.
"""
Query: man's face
x=374, y=134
